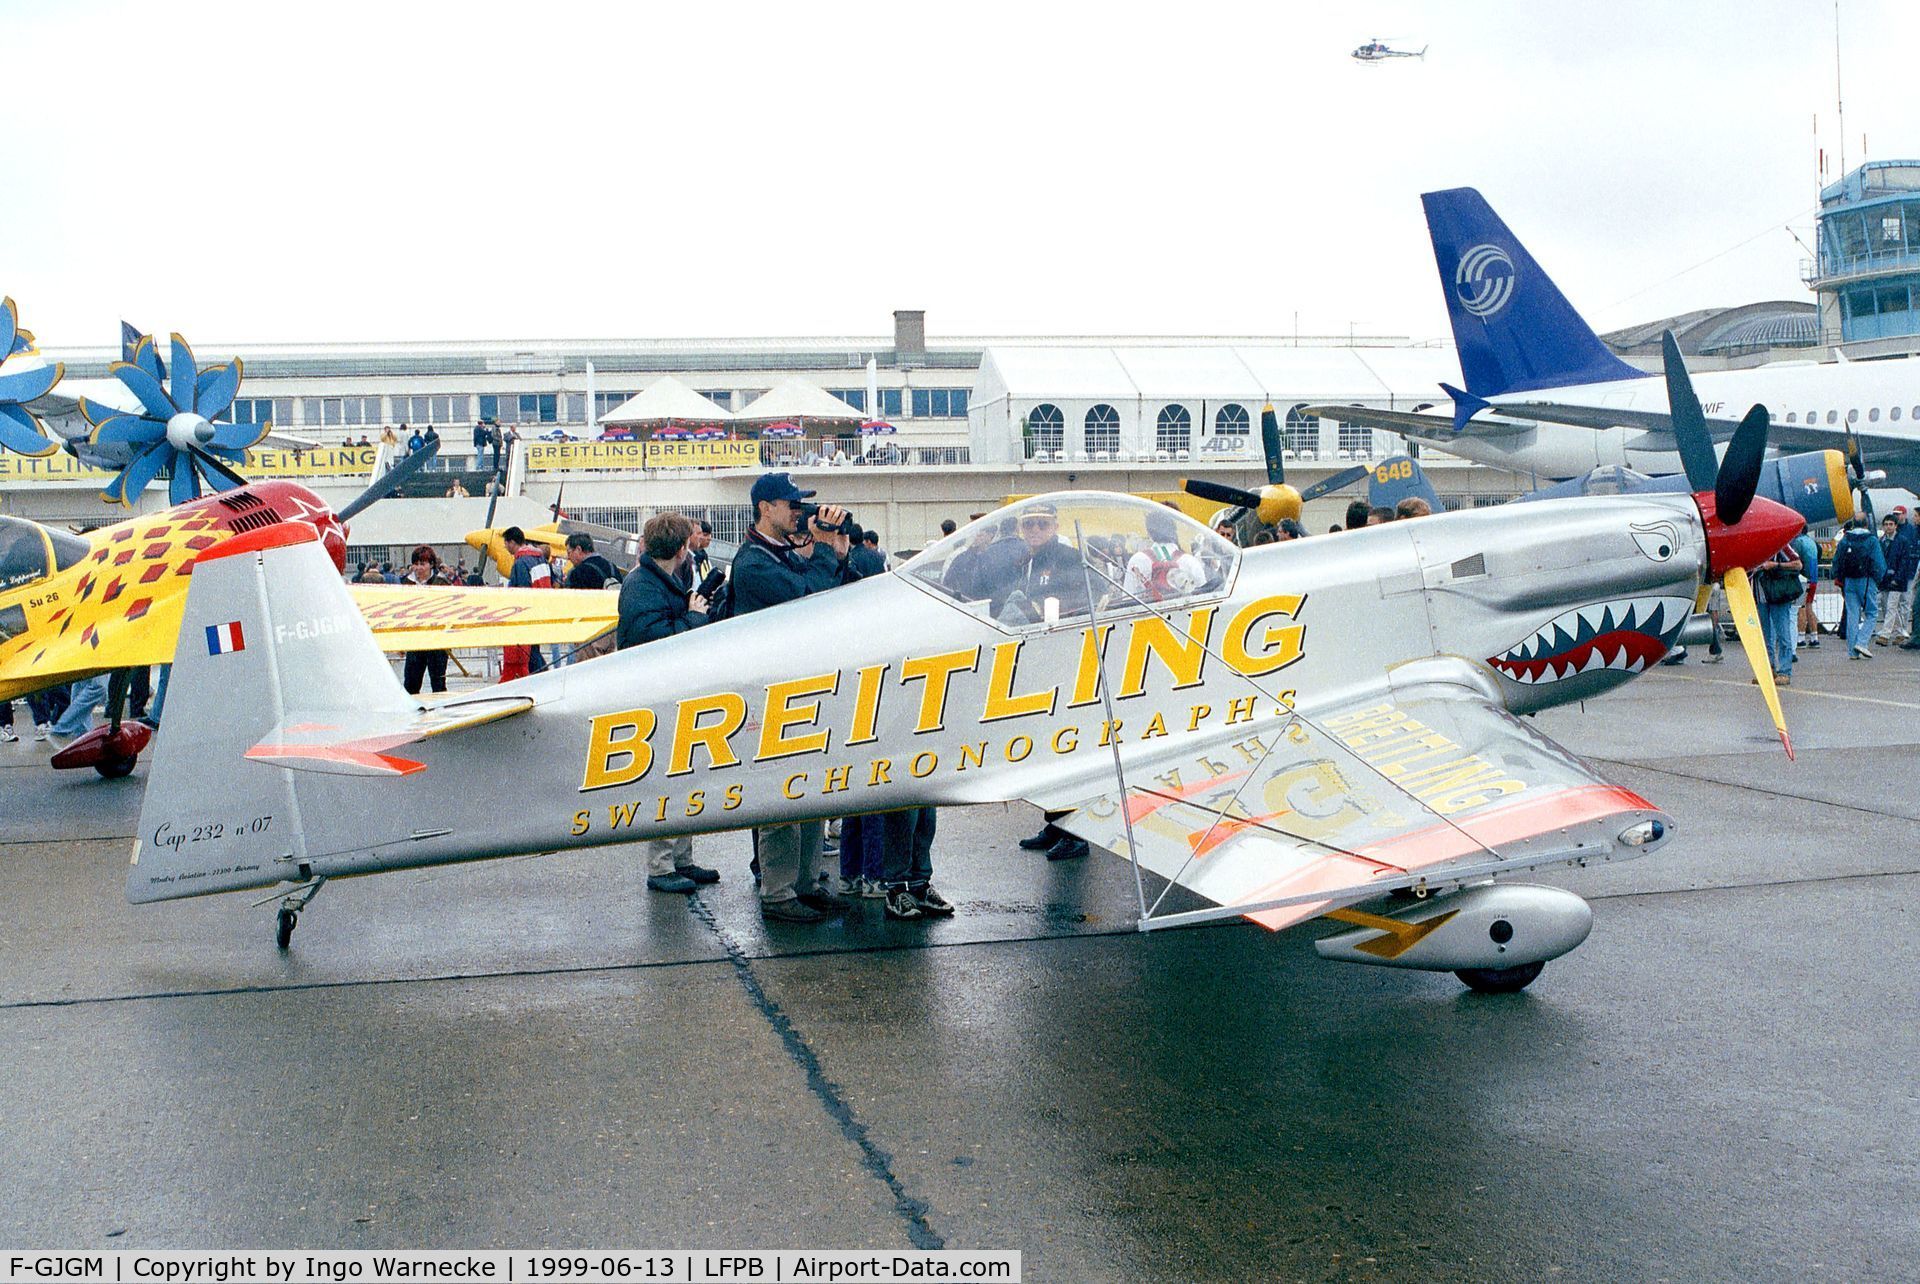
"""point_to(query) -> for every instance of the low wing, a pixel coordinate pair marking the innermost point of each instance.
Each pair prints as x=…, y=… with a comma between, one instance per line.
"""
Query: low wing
x=1407, y=423
x=427, y=619
x=1385, y=791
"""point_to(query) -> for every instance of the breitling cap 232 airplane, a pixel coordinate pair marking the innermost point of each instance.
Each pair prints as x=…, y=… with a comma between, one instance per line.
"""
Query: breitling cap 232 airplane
x=1544, y=395
x=1299, y=729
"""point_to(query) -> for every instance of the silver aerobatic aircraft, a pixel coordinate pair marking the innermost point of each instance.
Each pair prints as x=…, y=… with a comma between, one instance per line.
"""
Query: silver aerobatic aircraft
x=1288, y=731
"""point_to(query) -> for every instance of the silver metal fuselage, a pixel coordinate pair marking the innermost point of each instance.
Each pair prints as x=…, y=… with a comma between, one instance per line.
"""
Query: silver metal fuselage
x=883, y=694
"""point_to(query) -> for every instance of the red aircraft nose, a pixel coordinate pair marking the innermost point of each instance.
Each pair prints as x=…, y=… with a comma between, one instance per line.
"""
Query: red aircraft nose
x=1762, y=531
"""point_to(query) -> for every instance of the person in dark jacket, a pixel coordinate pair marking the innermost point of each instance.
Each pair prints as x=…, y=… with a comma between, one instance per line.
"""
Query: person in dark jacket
x=778, y=562
x=867, y=558
x=1859, y=566
x=1902, y=552
x=1042, y=566
x=430, y=666
x=655, y=604
x=586, y=569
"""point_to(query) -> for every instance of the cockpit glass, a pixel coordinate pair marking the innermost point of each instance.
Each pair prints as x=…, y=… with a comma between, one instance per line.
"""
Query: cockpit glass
x=23, y=553
x=1055, y=559
x=68, y=548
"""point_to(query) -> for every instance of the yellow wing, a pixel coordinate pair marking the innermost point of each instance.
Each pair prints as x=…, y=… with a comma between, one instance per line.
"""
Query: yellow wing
x=427, y=619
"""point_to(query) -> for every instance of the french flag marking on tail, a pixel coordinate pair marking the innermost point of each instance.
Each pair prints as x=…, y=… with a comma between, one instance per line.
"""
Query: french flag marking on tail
x=223, y=638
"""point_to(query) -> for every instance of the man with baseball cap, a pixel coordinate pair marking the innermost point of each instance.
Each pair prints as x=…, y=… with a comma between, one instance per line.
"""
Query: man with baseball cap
x=784, y=557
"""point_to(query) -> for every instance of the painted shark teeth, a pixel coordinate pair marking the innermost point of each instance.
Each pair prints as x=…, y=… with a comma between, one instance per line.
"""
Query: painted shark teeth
x=1553, y=652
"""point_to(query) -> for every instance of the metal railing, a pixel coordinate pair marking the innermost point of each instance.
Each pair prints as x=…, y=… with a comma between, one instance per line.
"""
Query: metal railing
x=1838, y=267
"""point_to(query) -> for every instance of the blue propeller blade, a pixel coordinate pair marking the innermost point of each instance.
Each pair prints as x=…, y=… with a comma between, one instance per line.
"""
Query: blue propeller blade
x=238, y=437
x=127, y=430
x=24, y=385
x=185, y=484
x=146, y=355
x=213, y=391
x=185, y=372
x=147, y=388
x=142, y=470
x=20, y=433
x=9, y=326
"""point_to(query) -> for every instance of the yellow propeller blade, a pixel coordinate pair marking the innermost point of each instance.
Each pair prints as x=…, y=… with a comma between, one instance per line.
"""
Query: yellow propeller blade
x=1746, y=619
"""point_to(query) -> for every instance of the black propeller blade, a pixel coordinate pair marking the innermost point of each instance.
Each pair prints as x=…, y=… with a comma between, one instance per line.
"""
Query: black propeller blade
x=210, y=463
x=1220, y=494
x=1345, y=477
x=1271, y=442
x=1689, y=424
x=1740, y=468
x=1857, y=465
x=390, y=481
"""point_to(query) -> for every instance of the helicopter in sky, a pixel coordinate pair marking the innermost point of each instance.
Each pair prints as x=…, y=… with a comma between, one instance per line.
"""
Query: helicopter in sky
x=1377, y=50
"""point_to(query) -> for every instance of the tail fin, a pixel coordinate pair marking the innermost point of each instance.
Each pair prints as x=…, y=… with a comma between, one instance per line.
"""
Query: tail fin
x=1514, y=329
x=1397, y=478
x=268, y=629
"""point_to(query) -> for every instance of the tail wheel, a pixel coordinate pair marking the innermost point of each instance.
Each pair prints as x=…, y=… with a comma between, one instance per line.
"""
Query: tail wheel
x=114, y=768
x=283, y=935
x=1500, y=980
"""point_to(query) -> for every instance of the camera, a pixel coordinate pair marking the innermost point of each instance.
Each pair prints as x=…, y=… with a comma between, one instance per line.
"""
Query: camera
x=711, y=584
x=847, y=526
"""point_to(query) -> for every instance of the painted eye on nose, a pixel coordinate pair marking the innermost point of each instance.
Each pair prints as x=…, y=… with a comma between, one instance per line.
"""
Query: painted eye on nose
x=1656, y=539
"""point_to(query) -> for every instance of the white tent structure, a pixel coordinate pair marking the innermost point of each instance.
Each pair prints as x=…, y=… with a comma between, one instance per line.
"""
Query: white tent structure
x=797, y=401
x=667, y=401
x=1177, y=402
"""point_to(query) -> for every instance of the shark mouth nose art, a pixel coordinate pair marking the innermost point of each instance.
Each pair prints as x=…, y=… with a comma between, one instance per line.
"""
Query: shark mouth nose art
x=1625, y=635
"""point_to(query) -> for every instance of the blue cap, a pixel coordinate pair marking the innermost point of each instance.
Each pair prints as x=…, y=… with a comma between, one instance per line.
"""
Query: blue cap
x=777, y=486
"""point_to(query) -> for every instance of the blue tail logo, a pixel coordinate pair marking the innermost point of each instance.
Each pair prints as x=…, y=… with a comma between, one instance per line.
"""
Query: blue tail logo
x=1514, y=329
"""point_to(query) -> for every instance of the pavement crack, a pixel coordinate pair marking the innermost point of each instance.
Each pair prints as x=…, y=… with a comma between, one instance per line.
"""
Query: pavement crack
x=911, y=1211
x=1757, y=789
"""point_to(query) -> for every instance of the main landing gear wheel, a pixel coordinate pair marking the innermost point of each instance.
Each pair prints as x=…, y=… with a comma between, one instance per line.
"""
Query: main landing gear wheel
x=289, y=919
x=1500, y=980
x=114, y=768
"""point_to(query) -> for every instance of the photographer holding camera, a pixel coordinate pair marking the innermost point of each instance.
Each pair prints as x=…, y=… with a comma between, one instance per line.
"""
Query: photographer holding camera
x=792, y=550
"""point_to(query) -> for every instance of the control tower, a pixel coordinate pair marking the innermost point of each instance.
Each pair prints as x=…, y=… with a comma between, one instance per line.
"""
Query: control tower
x=1868, y=273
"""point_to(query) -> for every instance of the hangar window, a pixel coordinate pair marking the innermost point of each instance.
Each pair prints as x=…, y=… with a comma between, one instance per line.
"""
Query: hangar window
x=1232, y=420
x=1173, y=430
x=1302, y=431
x=1032, y=564
x=1045, y=429
x=1356, y=440
x=1103, y=429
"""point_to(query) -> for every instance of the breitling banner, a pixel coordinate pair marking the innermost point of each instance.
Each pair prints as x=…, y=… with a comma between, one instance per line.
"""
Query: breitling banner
x=323, y=461
x=570, y=455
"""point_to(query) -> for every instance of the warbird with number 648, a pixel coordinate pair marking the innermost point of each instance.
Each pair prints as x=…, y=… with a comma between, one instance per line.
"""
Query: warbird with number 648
x=1300, y=729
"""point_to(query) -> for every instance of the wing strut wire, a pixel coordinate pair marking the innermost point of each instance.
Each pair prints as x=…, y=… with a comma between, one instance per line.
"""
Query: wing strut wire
x=1294, y=718
x=1106, y=700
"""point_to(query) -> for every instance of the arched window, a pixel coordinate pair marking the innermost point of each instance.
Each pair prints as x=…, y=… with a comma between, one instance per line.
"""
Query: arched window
x=1356, y=440
x=1302, y=432
x=1173, y=431
x=1103, y=429
x=1232, y=420
x=1046, y=429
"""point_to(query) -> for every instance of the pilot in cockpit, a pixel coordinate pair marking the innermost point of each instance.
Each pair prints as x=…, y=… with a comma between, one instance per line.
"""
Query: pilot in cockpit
x=1043, y=567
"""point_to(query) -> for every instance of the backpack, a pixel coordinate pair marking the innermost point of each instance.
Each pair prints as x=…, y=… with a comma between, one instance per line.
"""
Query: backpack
x=1165, y=559
x=1850, y=561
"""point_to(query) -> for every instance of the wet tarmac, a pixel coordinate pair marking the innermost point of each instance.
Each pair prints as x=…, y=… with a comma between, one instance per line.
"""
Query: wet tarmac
x=1722, y=1083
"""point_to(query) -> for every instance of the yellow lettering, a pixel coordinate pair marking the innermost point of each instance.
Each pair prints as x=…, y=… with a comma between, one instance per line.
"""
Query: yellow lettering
x=1182, y=654
x=879, y=772
x=579, y=823
x=1064, y=734
x=1086, y=678
x=782, y=713
x=927, y=756
x=696, y=802
x=974, y=755
x=1278, y=647
x=1001, y=701
x=1484, y=793
x=617, y=748
x=1241, y=710
x=866, y=704
x=1158, y=727
x=837, y=779
x=689, y=734
x=1358, y=715
x=1025, y=744
x=620, y=815
x=1197, y=714
x=733, y=798
x=1108, y=730
x=661, y=814
x=786, y=790
x=937, y=671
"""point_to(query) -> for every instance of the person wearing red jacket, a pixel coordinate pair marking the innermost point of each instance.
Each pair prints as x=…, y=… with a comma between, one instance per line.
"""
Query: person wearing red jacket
x=530, y=570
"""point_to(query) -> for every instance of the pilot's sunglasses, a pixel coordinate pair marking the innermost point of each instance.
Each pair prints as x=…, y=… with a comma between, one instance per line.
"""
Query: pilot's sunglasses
x=1038, y=523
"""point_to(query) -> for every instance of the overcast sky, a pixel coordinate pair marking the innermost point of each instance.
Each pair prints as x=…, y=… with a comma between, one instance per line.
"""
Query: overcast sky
x=345, y=170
